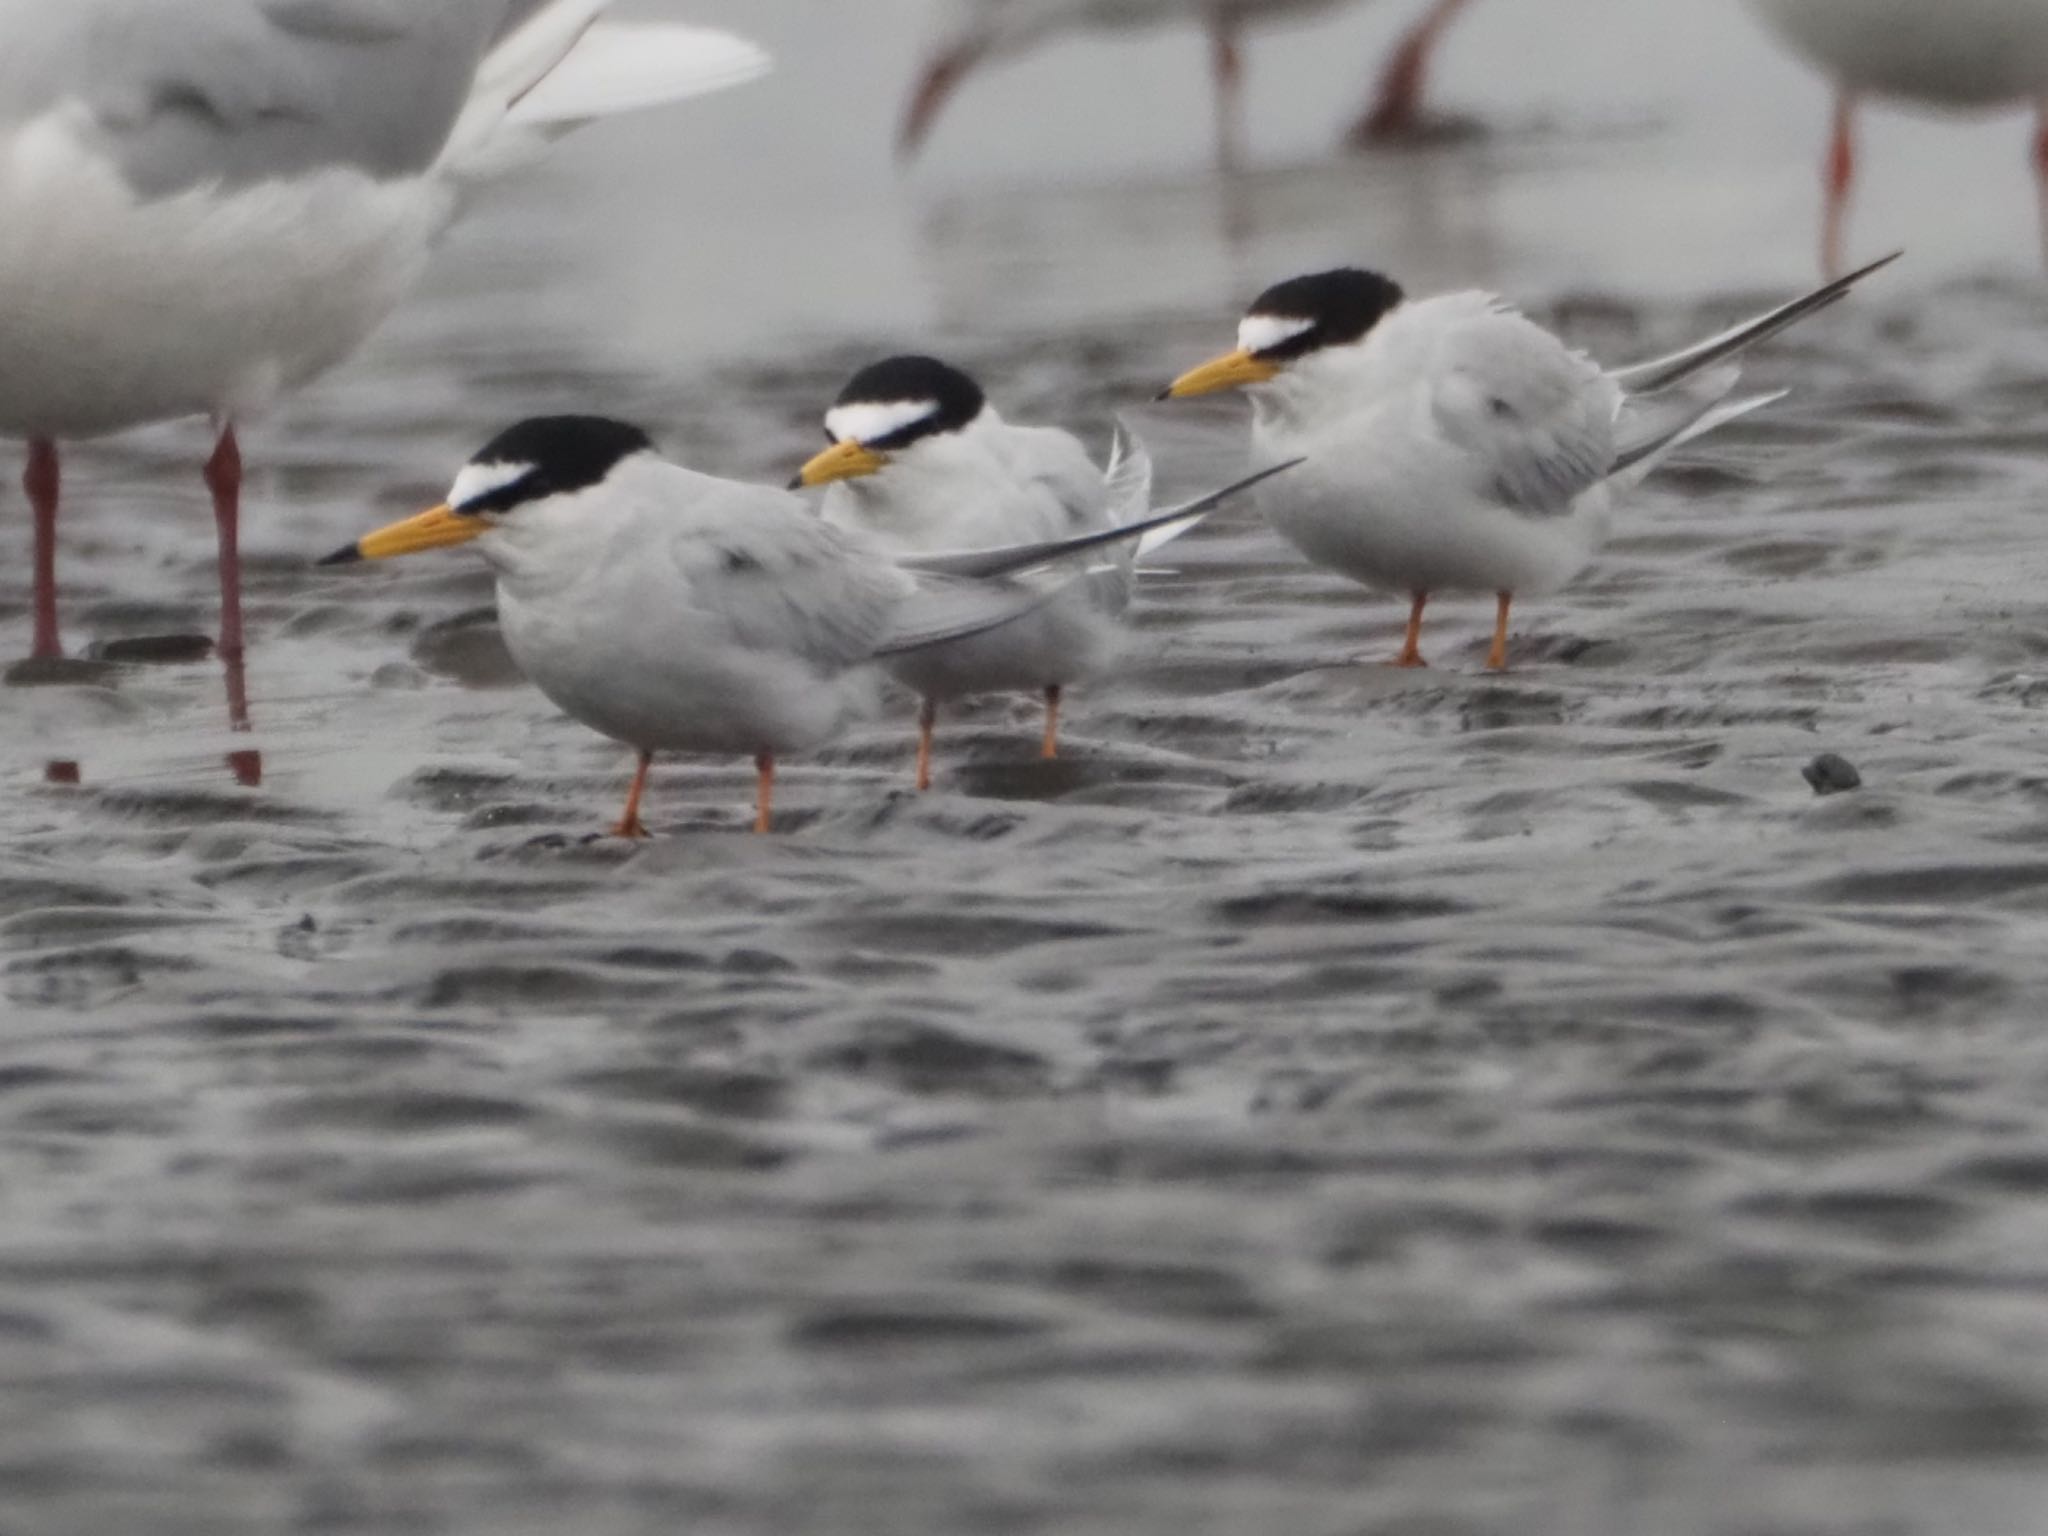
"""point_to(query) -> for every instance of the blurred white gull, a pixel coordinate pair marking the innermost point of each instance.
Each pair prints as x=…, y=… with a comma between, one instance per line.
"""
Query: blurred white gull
x=978, y=31
x=1954, y=55
x=205, y=203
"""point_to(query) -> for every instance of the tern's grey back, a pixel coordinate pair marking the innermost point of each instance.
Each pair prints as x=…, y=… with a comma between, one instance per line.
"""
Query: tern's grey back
x=186, y=92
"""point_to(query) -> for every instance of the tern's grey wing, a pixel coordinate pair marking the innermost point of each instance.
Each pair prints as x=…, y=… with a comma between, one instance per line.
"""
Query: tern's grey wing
x=1067, y=484
x=181, y=93
x=780, y=581
x=1533, y=418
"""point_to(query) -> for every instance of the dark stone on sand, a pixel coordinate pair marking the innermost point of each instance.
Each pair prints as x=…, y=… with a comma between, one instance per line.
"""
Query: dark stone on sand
x=56, y=672
x=1830, y=774
x=154, y=650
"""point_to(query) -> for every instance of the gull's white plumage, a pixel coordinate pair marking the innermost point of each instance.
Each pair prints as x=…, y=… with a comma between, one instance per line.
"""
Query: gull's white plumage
x=1952, y=55
x=205, y=203
x=1958, y=53
x=144, y=285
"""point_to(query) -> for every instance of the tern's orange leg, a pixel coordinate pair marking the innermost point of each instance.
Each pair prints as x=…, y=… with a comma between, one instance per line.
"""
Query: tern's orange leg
x=927, y=722
x=1838, y=176
x=1051, y=746
x=1497, y=658
x=764, y=791
x=40, y=481
x=630, y=824
x=1396, y=111
x=1411, y=649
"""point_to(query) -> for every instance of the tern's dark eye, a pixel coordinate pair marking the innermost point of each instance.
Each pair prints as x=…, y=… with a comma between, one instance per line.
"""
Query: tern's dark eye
x=889, y=405
x=1323, y=309
x=502, y=498
x=544, y=456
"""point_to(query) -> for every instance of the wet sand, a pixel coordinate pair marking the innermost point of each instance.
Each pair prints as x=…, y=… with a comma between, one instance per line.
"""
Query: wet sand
x=1329, y=1099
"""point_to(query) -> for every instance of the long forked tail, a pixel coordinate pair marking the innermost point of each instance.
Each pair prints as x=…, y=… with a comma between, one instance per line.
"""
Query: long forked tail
x=1130, y=479
x=1013, y=559
x=1637, y=462
x=1663, y=372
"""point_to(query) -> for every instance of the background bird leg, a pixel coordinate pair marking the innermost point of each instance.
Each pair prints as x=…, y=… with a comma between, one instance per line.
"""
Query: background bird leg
x=1396, y=111
x=40, y=481
x=1226, y=54
x=630, y=824
x=1838, y=176
x=927, y=722
x=764, y=791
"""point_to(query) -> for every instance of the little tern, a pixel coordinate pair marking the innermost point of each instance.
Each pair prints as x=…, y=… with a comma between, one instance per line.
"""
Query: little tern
x=921, y=461
x=205, y=203
x=1453, y=445
x=979, y=31
x=678, y=612
x=1957, y=56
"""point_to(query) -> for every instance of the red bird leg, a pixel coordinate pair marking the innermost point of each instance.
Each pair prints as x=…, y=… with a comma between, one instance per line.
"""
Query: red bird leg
x=1226, y=60
x=2041, y=170
x=1838, y=176
x=41, y=482
x=224, y=480
x=1396, y=111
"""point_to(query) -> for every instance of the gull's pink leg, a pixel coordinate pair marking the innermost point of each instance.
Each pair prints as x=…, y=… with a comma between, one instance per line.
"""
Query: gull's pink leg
x=224, y=480
x=1837, y=177
x=1396, y=111
x=1226, y=57
x=40, y=481
x=935, y=86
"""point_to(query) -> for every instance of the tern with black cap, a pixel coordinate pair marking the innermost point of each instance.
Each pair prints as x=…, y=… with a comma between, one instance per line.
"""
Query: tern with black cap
x=678, y=612
x=1452, y=444
x=921, y=461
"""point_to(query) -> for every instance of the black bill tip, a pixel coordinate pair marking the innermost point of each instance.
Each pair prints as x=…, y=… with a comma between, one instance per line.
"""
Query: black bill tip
x=348, y=554
x=796, y=483
x=1164, y=394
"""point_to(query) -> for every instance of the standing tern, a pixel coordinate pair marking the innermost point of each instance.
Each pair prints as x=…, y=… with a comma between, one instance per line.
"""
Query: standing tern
x=677, y=612
x=921, y=461
x=205, y=203
x=1453, y=445
x=1955, y=55
x=979, y=31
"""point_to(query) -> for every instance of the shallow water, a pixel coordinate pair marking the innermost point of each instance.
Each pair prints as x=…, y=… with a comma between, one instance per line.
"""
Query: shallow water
x=1329, y=1099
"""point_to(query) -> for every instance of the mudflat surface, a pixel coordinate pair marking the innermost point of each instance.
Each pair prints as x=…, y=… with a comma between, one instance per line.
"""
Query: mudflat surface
x=1329, y=1099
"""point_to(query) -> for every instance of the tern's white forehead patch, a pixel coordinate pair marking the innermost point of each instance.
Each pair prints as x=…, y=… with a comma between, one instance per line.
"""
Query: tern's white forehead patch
x=1262, y=333
x=867, y=422
x=478, y=481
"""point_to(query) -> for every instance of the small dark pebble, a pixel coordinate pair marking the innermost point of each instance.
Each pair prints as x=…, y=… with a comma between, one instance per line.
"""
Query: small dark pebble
x=1830, y=774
